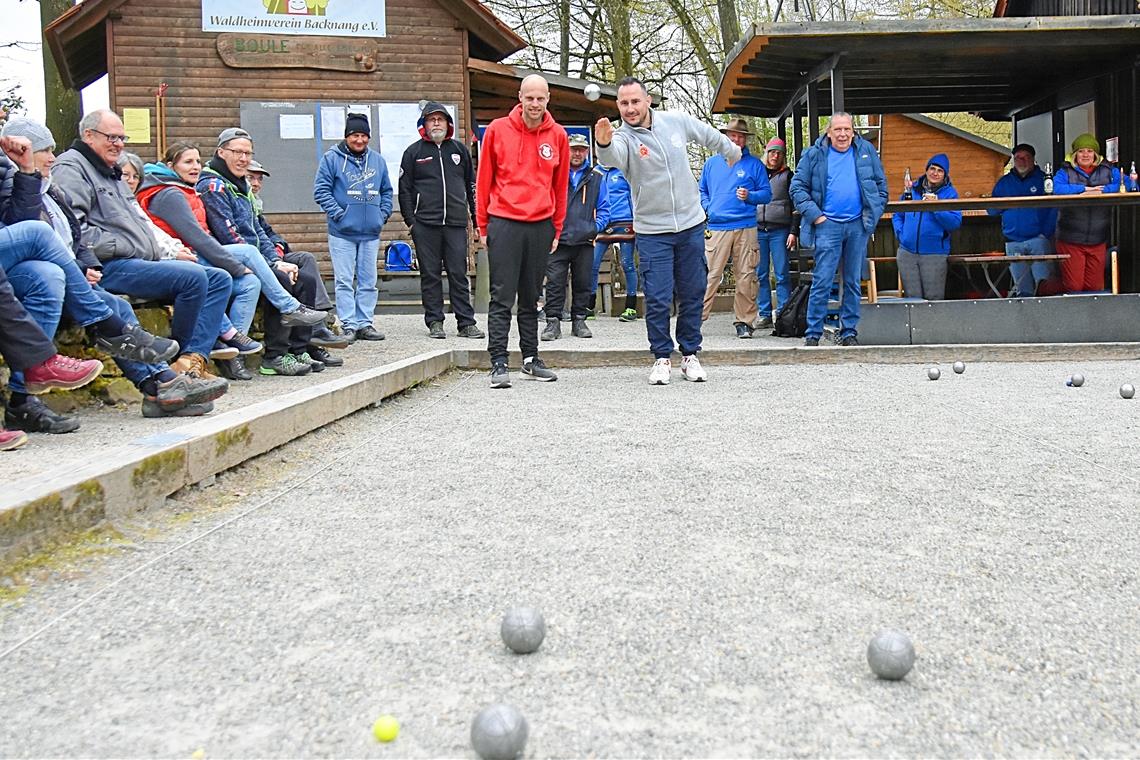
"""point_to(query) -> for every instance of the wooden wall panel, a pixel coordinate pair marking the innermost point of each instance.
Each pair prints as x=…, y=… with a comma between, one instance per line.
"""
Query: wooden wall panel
x=973, y=168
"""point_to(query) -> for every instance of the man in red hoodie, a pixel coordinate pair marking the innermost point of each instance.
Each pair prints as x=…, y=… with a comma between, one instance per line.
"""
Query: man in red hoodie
x=520, y=204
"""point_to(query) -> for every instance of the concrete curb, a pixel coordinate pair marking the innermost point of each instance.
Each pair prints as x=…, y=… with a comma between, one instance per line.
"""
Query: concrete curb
x=38, y=510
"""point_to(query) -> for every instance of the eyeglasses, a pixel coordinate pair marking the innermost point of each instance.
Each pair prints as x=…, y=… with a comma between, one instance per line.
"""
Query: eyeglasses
x=240, y=153
x=113, y=139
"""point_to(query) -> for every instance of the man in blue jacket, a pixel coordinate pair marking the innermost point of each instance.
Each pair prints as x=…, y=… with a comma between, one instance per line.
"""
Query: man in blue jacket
x=1027, y=231
x=729, y=196
x=353, y=188
x=840, y=190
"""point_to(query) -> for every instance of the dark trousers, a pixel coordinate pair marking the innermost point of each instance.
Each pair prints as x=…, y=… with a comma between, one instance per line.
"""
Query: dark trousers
x=311, y=274
x=22, y=343
x=281, y=339
x=579, y=261
x=436, y=248
x=517, y=252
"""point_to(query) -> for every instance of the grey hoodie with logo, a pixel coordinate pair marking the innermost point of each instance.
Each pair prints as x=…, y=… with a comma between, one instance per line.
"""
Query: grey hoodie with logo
x=655, y=160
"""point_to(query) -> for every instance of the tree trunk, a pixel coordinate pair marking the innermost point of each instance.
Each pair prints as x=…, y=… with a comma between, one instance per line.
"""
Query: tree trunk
x=63, y=108
x=621, y=45
x=564, y=37
x=729, y=25
x=697, y=40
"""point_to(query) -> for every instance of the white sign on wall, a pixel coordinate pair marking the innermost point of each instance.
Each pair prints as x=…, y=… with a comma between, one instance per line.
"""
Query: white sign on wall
x=336, y=18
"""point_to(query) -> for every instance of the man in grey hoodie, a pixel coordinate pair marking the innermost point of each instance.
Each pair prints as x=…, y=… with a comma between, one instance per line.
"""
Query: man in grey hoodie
x=649, y=147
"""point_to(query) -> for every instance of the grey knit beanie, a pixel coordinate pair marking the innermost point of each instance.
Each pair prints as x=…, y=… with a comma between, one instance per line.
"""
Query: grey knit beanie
x=39, y=135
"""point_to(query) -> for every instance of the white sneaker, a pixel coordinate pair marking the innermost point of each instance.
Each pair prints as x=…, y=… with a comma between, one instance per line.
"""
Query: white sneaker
x=691, y=369
x=659, y=375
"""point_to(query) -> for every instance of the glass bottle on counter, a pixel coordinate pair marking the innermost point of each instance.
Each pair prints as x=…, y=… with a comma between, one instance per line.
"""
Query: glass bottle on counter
x=908, y=186
x=1048, y=178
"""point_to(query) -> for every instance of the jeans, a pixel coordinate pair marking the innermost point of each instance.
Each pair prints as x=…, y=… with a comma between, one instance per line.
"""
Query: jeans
x=36, y=241
x=244, y=292
x=773, y=245
x=627, y=263
x=839, y=246
x=354, y=261
x=199, y=294
x=674, y=262
x=1026, y=277
x=22, y=342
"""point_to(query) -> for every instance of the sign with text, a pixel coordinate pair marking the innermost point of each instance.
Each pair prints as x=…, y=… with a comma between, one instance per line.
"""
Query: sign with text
x=336, y=18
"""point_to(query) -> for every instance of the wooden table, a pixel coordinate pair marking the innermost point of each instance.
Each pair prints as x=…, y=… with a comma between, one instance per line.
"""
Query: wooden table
x=1110, y=200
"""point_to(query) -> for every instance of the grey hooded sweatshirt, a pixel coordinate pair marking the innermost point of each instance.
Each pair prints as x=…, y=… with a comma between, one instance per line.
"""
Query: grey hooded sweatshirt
x=655, y=160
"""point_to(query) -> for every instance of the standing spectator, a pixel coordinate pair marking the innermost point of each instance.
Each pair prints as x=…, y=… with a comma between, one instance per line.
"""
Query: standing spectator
x=1082, y=232
x=587, y=214
x=840, y=190
x=615, y=191
x=775, y=235
x=353, y=188
x=729, y=196
x=524, y=165
x=437, y=197
x=1027, y=231
x=924, y=237
x=650, y=149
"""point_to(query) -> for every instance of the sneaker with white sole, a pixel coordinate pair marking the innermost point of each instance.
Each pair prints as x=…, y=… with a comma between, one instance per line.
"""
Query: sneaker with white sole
x=535, y=369
x=659, y=375
x=691, y=369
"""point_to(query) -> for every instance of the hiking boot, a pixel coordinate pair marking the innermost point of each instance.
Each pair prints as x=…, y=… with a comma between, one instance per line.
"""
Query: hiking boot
x=811, y=342
x=536, y=370
x=318, y=354
x=192, y=364
x=435, y=330
x=691, y=369
x=553, y=330
x=629, y=315
x=471, y=331
x=234, y=369
x=61, y=372
x=304, y=317
x=151, y=408
x=848, y=340
x=286, y=364
x=659, y=375
x=579, y=330
x=34, y=416
x=763, y=323
x=305, y=358
x=244, y=344
x=221, y=352
x=369, y=332
x=500, y=377
x=136, y=344
x=188, y=390
x=12, y=439
x=326, y=338
x=743, y=330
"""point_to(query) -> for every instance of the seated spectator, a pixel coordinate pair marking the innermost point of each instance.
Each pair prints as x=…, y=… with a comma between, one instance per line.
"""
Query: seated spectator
x=42, y=286
x=171, y=248
x=924, y=236
x=1027, y=231
x=231, y=218
x=132, y=260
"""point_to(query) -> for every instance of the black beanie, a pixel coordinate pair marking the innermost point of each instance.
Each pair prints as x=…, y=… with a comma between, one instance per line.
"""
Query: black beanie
x=356, y=122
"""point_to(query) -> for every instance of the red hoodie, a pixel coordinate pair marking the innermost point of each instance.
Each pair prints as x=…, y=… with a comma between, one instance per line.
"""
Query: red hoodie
x=523, y=173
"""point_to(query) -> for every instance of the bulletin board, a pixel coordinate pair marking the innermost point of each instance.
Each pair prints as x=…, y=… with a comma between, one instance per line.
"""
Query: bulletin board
x=290, y=138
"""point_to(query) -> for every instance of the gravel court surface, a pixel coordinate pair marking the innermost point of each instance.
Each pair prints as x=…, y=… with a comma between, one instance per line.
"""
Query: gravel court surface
x=711, y=559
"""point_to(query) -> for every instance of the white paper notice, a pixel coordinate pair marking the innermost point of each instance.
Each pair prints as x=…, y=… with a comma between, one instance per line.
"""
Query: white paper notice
x=332, y=122
x=296, y=126
x=366, y=110
x=398, y=129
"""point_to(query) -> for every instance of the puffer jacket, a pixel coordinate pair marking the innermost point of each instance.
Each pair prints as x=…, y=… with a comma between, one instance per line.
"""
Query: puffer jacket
x=230, y=212
x=925, y=232
x=809, y=185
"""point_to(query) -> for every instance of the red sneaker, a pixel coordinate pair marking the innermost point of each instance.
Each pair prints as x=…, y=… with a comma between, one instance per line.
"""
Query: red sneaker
x=61, y=372
x=12, y=439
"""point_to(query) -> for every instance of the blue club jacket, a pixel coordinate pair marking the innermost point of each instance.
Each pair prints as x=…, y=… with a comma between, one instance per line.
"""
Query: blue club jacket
x=615, y=190
x=1021, y=224
x=809, y=184
x=719, y=182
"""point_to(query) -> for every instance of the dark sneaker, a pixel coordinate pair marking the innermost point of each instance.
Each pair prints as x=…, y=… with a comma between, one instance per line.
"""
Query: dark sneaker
x=500, y=377
x=61, y=372
x=471, y=331
x=565, y=316
x=743, y=330
x=591, y=314
x=244, y=344
x=435, y=330
x=536, y=370
x=553, y=330
x=326, y=338
x=234, y=369
x=33, y=416
x=12, y=439
x=286, y=364
x=151, y=408
x=811, y=341
x=187, y=390
x=304, y=317
x=629, y=315
x=304, y=358
x=136, y=344
x=763, y=323
x=369, y=333
x=316, y=353
x=221, y=351
x=849, y=340
x=579, y=330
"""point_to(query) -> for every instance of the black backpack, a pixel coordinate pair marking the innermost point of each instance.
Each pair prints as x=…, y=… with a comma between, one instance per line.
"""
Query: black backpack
x=791, y=320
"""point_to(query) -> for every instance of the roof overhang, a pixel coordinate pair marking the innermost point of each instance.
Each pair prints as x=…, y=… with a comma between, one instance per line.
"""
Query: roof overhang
x=992, y=66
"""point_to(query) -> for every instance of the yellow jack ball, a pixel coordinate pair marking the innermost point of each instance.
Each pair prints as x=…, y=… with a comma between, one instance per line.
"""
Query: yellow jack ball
x=385, y=728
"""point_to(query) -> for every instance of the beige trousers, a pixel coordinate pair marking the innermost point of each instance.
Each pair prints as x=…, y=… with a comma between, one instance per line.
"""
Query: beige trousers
x=741, y=245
